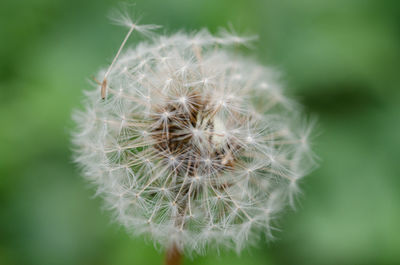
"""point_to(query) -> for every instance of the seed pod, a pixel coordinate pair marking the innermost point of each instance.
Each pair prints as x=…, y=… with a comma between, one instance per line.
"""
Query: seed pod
x=193, y=145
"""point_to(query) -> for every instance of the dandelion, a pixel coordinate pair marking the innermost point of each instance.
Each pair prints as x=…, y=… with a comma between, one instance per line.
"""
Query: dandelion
x=193, y=145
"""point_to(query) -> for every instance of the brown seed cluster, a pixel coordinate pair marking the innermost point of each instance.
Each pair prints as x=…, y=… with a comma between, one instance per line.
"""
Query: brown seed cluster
x=186, y=135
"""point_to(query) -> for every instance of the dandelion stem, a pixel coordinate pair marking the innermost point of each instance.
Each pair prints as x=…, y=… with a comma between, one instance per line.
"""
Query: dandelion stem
x=173, y=256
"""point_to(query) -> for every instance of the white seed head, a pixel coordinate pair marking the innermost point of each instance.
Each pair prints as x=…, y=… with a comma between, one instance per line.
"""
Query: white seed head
x=193, y=145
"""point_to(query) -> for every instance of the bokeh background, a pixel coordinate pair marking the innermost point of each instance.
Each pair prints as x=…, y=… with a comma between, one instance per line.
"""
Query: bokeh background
x=339, y=58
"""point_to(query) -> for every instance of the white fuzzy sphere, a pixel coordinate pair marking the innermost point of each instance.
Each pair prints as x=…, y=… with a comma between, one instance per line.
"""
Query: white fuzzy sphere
x=194, y=145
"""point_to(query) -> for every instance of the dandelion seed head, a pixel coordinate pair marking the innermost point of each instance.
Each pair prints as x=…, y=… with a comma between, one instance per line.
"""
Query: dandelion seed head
x=194, y=144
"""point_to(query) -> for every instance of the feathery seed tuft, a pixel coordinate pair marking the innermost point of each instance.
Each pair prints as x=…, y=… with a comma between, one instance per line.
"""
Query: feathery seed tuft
x=193, y=145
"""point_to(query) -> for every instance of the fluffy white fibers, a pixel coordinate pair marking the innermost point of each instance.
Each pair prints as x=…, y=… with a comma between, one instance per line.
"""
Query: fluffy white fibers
x=193, y=145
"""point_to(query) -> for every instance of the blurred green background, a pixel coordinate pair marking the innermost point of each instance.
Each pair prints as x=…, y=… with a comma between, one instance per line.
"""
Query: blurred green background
x=339, y=58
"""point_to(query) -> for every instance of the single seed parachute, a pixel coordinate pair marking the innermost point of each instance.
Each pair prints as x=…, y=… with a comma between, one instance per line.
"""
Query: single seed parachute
x=193, y=145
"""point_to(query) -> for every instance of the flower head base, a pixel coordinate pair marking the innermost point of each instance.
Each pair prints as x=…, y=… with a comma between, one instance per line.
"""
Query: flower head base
x=194, y=145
